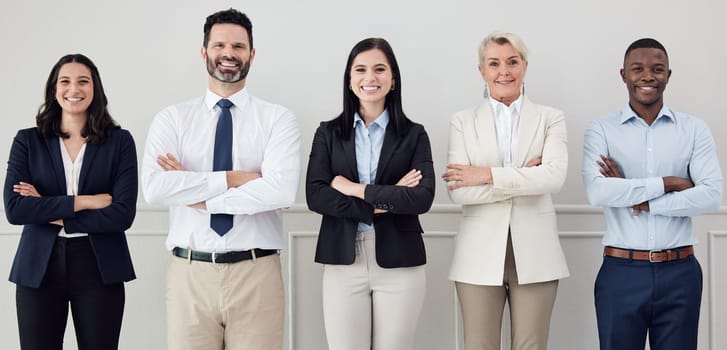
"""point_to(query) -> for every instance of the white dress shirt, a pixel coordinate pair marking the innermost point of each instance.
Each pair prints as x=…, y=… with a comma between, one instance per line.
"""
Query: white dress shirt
x=72, y=170
x=266, y=140
x=507, y=119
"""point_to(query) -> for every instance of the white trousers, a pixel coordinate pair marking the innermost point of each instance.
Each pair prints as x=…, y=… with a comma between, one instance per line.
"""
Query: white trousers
x=366, y=307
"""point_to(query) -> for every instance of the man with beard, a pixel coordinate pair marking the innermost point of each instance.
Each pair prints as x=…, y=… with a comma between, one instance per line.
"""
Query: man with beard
x=651, y=169
x=226, y=164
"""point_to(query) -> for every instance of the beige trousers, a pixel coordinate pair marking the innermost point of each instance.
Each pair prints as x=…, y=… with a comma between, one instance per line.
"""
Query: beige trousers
x=367, y=307
x=238, y=306
x=531, y=306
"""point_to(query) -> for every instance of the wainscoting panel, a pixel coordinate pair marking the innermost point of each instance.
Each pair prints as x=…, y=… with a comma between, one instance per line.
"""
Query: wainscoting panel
x=573, y=324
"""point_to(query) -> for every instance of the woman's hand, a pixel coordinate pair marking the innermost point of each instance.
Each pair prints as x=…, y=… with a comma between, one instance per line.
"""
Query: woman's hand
x=410, y=179
x=466, y=175
x=534, y=162
x=25, y=189
x=95, y=201
x=28, y=190
x=348, y=187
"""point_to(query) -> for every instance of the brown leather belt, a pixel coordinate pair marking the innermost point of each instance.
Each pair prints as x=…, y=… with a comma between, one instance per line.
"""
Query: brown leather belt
x=654, y=256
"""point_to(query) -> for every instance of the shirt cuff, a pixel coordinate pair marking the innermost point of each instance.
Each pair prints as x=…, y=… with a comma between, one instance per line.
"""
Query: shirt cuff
x=654, y=187
x=217, y=181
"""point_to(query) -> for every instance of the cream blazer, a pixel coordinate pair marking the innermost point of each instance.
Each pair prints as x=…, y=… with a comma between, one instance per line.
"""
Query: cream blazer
x=518, y=199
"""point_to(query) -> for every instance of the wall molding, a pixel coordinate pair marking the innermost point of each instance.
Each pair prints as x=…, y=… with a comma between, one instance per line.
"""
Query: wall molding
x=301, y=208
x=712, y=236
x=438, y=208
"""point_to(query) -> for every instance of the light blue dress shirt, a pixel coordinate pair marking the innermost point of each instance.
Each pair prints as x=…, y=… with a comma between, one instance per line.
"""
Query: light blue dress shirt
x=368, y=149
x=676, y=144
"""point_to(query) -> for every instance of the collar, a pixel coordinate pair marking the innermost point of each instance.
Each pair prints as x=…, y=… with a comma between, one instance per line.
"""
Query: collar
x=238, y=99
x=514, y=107
x=382, y=120
x=627, y=114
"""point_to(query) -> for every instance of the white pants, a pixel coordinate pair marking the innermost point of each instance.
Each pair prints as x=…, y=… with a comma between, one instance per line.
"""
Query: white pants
x=367, y=307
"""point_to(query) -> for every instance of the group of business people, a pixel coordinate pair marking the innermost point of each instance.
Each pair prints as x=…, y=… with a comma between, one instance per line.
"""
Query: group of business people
x=226, y=163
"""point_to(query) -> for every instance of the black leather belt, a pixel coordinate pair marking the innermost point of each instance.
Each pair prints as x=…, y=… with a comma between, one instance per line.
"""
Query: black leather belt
x=222, y=258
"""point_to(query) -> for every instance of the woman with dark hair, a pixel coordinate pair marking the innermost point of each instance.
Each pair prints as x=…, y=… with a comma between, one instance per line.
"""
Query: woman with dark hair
x=72, y=183
x=370, y=175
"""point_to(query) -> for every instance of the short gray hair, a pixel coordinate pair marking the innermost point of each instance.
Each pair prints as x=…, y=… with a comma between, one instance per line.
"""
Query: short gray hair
x=502, y=38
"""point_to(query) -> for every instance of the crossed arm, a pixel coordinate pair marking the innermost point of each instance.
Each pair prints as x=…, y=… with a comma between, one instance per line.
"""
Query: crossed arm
x=234, y=178
x=80, y=202
x=609, y=168
x=473, y=184
x=273, y=185
x=113, y=211
x=330, y=193
x=698, y=192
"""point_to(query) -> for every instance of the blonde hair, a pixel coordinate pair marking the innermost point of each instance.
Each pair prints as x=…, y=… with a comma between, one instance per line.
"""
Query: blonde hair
x=502, y=38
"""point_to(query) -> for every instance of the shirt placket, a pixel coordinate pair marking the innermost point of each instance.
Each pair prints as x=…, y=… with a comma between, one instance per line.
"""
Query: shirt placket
x=650, y=171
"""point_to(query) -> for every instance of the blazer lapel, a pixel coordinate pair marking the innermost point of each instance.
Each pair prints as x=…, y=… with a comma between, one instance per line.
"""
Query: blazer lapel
x=88, y=156
x=54, y=153
x=391, y=142
x=349, y=151
x=486, y=136
x=529, y=122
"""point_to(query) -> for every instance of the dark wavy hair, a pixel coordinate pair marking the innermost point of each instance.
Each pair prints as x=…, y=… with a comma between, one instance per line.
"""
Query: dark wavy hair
x=98, y=123
x=230, y=16
x=393, y=98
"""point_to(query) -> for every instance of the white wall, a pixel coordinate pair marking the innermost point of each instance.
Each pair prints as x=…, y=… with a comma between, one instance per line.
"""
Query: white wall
x=148, y=55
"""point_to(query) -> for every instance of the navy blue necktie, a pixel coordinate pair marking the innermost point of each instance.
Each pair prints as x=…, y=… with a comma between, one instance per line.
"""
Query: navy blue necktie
x=221, y=223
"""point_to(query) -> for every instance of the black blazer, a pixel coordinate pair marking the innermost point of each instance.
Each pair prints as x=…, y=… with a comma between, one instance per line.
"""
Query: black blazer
x=109, y=167
x=399, y=241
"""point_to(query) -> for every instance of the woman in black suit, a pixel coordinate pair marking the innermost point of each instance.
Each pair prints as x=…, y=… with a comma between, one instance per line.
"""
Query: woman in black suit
x=72, y=182
x=370, y=175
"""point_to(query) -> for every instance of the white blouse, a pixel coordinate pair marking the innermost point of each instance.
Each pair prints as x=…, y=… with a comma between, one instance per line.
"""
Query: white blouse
x=507, y=120
x=72, y=170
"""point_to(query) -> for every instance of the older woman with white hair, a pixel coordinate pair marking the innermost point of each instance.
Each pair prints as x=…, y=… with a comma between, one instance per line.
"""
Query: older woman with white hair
x=506, y=157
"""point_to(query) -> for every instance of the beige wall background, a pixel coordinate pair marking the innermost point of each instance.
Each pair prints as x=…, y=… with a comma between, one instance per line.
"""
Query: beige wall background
x=148, y=55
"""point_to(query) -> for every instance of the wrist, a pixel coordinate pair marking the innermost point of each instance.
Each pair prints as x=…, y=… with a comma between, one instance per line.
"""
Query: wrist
x=79, y=203
x=354, y=189
x=487, y=171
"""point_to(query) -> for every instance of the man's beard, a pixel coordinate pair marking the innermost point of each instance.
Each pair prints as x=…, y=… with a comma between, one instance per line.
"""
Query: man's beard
x=228, y=77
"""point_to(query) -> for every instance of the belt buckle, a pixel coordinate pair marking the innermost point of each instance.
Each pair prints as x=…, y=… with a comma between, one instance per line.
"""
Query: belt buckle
x=651, y=256
x=214, y=257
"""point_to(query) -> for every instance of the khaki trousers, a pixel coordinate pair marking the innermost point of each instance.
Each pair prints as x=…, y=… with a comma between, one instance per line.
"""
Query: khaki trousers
x=531, y=306
x=367, y=307
x=237, y=306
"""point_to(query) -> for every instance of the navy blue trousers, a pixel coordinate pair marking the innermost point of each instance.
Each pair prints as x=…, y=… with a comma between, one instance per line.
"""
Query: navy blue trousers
x=72, y=279
x=636, y=297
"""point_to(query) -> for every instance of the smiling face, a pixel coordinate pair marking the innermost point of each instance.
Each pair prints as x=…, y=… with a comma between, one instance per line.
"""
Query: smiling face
x=371, y=77
x=646, y=73
x=74, y=88
x=228, y=54
x=503, y=69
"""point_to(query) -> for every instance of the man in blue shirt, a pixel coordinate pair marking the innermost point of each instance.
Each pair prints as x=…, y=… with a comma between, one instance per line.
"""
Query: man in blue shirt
x=651, y=169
